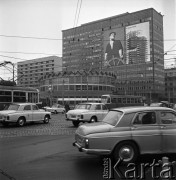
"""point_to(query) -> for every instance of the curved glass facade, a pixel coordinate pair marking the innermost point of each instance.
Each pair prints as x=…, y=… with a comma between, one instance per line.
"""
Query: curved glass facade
x=81, y=84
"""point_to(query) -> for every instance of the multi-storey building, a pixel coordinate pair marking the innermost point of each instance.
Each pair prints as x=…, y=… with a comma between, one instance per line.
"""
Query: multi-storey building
x=140, y=69
x=30, y=71
x=170, y=84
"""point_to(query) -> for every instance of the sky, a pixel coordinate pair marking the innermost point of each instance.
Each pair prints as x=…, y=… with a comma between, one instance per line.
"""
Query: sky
x=32, y=29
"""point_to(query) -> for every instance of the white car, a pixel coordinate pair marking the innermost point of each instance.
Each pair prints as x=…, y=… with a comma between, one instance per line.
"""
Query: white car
x=56, y=108
x=87, y=112
x=21, y=113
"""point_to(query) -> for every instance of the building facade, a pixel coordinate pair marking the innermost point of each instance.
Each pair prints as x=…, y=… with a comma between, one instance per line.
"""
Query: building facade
x=139, y=63
x=170, y=84
x=28, y=72
x=76, y=86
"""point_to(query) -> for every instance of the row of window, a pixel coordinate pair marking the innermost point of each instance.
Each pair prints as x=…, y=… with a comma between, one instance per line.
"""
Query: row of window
x=18, y=97
x=80, y=79
x=78, y=88
x=35, y=63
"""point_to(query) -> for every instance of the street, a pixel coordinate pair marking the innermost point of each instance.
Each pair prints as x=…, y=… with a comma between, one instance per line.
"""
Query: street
x=45, y=152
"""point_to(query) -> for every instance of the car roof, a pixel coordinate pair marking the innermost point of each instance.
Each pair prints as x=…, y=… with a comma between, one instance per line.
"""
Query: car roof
x=91, y=103
x=140, y=108
x=24, y=103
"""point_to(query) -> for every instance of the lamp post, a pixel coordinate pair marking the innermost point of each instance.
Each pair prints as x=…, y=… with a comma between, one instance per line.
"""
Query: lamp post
x=87, y=86
x=63, y=89
x=50, y=94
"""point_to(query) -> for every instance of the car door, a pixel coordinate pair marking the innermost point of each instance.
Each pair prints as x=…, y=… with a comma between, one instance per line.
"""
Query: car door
x=168, y=130
x=146, y=132
x=27, y=112
x=36, y=113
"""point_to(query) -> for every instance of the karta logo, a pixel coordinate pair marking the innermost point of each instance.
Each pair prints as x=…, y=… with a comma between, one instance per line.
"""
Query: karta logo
x=155, y=170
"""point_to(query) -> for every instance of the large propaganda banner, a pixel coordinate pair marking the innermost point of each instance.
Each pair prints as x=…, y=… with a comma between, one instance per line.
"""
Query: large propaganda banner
x=137, y=43
x=127, y=45
x=114, y=43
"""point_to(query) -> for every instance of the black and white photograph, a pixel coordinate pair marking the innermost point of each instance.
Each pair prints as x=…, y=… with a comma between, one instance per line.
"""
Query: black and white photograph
x=87, y=89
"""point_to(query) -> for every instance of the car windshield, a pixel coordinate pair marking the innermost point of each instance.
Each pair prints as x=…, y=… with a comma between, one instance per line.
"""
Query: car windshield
x=83, y=106
x=113, y=117
x=12, y=107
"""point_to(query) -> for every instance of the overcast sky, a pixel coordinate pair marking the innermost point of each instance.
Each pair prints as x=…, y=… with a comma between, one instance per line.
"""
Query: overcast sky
x=47, y=18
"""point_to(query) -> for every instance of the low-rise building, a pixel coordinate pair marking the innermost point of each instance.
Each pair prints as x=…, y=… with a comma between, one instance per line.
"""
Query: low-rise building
x=76, y=86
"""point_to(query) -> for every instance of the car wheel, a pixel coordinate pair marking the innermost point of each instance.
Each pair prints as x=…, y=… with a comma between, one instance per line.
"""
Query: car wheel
x=21, y=122
x=75, y=123
x=55, y=112
x=46, y=119
x=93, y=119
x=126, y=151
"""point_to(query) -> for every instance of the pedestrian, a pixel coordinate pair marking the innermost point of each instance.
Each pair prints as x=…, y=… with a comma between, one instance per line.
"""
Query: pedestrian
x=67, y=107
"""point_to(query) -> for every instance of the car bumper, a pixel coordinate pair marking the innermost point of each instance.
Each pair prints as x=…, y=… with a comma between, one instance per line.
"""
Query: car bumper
x=79, y=120
x=92, y=151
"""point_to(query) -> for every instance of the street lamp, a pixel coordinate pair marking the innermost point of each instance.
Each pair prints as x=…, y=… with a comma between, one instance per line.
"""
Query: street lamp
x=50, y=94
x=63, y=89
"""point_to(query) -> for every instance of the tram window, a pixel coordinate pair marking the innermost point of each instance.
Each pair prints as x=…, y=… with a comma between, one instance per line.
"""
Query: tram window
x=113, y=100
x=132, y=100
x=119, y=100
x=5, y=98
x=5, y=93
x=128, y=100
x=124, y=100
x=100, y=88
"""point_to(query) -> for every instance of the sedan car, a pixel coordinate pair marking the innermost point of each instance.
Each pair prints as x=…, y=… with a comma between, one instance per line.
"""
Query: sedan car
x=126, y=133
x=87, y=112
x=21, y=113
x=56, y=108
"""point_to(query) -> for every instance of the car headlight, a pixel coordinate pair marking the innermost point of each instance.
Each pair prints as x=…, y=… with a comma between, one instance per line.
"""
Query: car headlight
x=86, y=141
x=6, y=117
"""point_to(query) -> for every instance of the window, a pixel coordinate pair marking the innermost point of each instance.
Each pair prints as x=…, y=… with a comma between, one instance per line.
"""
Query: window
x=27, y=108
x=145, y=118
x=98, y=107
x=71, y=87
x=104, y=107
x=78, y=87
x=34, y=107
x=167, y=117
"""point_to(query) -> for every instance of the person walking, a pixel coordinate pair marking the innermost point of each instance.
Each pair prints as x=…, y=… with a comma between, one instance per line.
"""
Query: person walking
x=67, y=107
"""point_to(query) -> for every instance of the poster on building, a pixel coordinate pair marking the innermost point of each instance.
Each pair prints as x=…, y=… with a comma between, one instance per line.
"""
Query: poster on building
x=137, y=43
x=114, y=47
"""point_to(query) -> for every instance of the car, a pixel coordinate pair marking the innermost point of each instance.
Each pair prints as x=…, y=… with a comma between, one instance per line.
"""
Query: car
x=161, y=104
x=21, y=113
x=56, y=108
x=174, y=107
x=87, y=112
x=128, y=132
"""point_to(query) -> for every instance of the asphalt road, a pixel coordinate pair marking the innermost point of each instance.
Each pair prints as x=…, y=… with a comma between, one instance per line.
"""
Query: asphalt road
x=45, y=152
